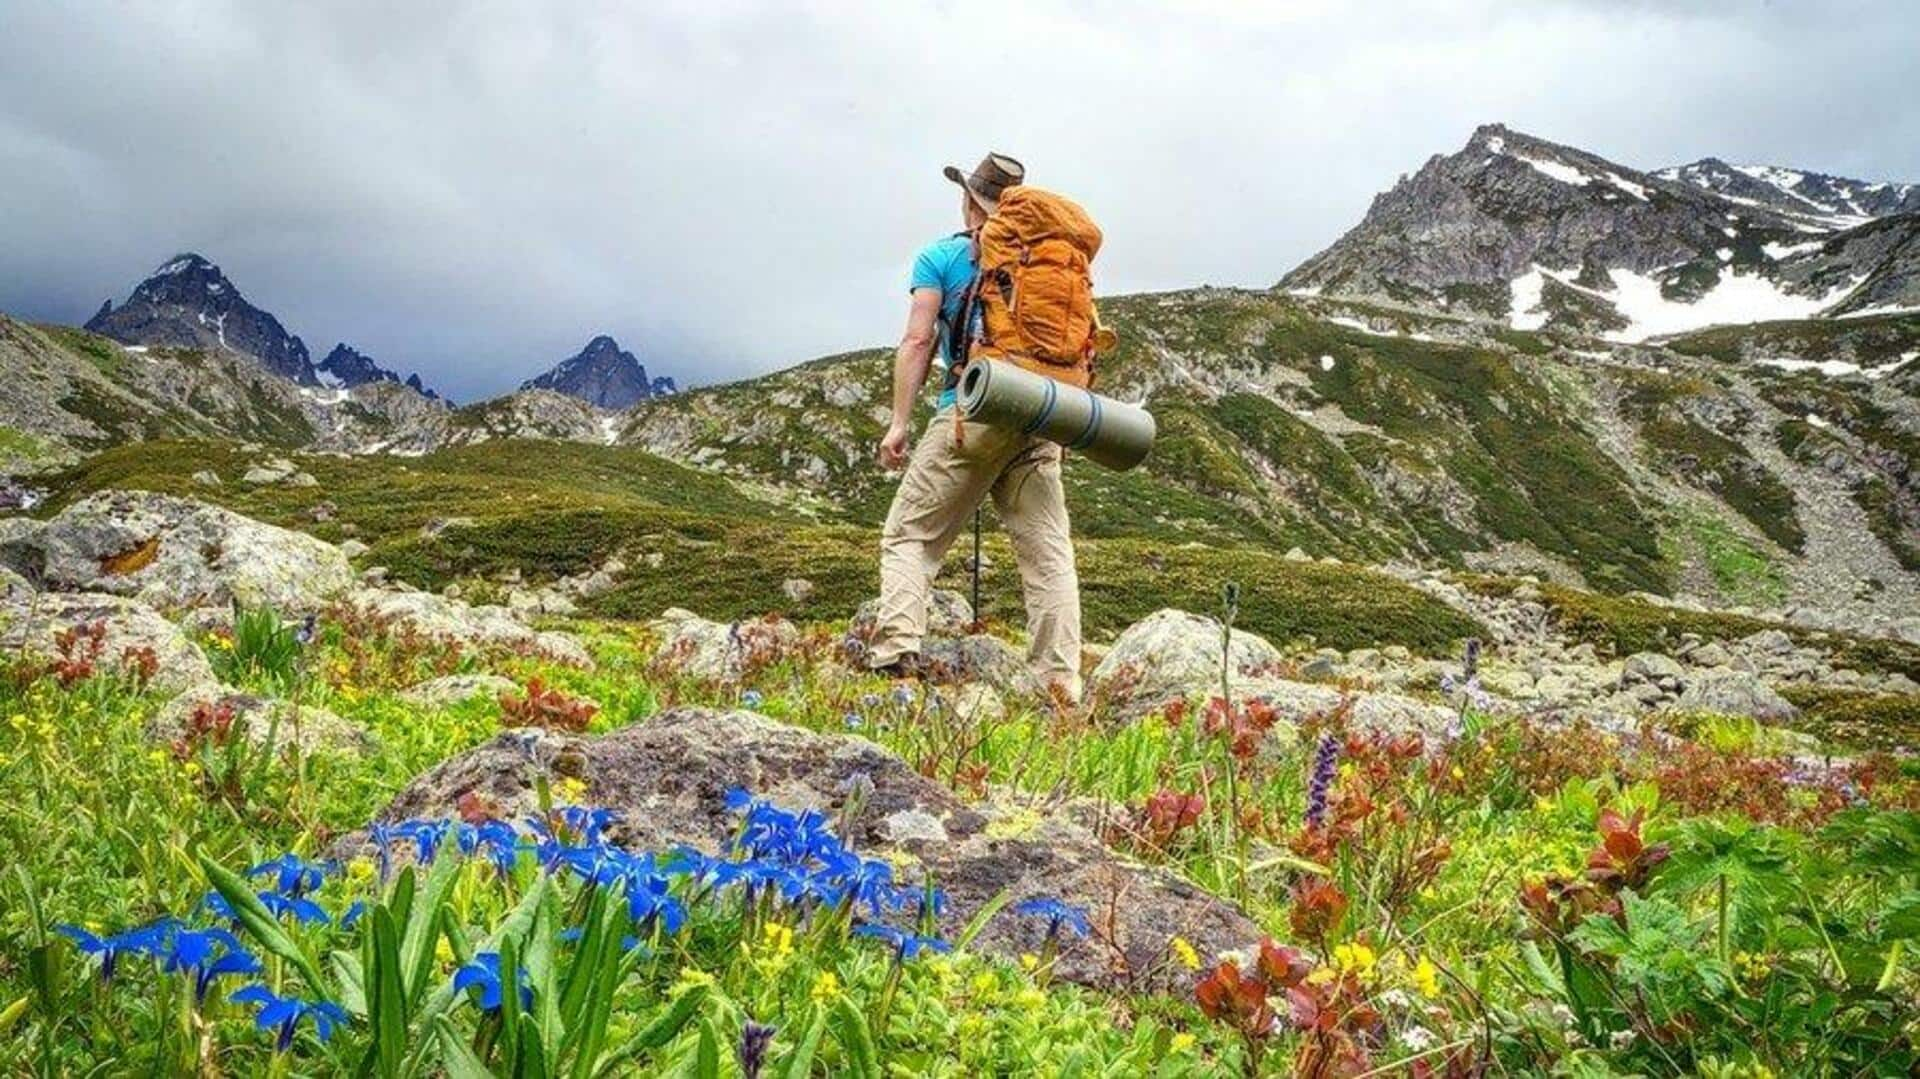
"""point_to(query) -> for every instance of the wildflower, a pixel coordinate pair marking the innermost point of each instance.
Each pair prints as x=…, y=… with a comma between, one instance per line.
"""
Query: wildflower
x=902, y=695
x=1180, y=1043
x=1059, y=914
x=1183, y=951
x=484, y=974
x=826, y=987
x=1417, y=1038
x=752, y=1051
x=141, y=940
x=852, y=721
x=905, y=945
x=1326, y=757
x=751, y=699
x=305, y=634
x=1426, y=978
x=777, y=938
x=304, y=911
x=293, y=875
x=571, y=788
x=285, y=1013
x=1355, y=958
x=192, y=952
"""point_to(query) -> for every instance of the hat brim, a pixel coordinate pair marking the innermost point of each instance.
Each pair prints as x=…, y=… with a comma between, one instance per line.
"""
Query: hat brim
x=953, y=173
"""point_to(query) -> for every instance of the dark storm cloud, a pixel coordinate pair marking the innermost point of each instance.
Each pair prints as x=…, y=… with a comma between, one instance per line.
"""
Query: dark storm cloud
x=475, y=190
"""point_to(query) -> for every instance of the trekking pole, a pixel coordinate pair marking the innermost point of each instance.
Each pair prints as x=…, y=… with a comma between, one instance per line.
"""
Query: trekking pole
x=978, y=618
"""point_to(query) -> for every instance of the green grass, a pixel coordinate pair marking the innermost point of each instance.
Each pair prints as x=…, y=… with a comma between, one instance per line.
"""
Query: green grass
x=1858, y=720
x=1743, y=572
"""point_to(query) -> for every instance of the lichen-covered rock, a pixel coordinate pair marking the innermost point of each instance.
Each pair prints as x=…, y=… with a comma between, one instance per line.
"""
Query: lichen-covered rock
x=1386, y=713
x=668, y=777
x=308, y=726
x=456, y=688
x=719, y=651
x=1171, y=656
x=1735, y=693
x=452, y=621
x=31, y=626
x=175, y=553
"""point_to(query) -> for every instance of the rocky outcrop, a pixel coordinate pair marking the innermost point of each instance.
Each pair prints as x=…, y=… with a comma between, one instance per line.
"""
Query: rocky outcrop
x=177, y=553
x=668, y=778
x=694, y=647
x=1172, y=656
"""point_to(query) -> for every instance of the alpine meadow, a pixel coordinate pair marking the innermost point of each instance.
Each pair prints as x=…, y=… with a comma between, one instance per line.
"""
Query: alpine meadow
x=1505, y=661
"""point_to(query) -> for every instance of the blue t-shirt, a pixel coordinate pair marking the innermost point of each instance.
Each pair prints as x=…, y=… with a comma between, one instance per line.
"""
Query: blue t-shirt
x=945, y=264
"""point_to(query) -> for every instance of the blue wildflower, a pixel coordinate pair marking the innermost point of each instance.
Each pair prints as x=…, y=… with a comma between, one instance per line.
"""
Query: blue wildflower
x=293, y=875
x=752, y=699
x=207, y=954
x=1059, y=915
x=148, y=940
x=304, y=911
x=905, y=945
x=352, y=915
x=852, y=721
x=216, y=905
x=484, y=974
x=283, y=1014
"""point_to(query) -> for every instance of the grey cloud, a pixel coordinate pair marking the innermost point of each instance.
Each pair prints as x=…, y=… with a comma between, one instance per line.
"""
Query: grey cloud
x=475, y=191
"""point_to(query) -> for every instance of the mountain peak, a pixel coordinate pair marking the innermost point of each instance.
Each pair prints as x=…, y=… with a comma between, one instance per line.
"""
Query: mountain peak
x=602, y=374
x=187, y=302
x=346, y=367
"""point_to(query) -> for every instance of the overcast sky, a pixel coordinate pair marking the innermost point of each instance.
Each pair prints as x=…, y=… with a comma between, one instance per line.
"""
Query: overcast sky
x=474, y=190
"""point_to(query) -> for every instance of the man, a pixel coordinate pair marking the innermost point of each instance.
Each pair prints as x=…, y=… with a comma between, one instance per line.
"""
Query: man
x=950, y=473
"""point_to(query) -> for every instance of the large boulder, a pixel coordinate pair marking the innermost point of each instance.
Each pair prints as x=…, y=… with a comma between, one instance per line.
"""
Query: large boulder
x=668, y=778
x=130, y=631
x=948, y=615
x=452, y=621
x=1734, y=693
x=1172, y=656
x=175, y=553
x=259, y=718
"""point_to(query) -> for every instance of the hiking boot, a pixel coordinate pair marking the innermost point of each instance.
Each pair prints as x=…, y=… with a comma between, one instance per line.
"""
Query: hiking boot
x=909, y=666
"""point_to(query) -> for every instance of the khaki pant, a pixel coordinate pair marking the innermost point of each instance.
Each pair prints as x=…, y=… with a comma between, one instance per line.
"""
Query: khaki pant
x=944, y=483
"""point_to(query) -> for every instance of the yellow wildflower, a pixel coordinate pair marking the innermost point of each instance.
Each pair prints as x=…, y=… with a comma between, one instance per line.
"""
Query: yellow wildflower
x=776, y=937
x=443, y=951
x=1181, y=1042
x=571, y=790
x=984, y=984
x=1355, y=958
x=1029, y=962
x=691, y=976
x=1543, y=805
x=1030, y=998
x=1457, y=773
x=826, y=987
x=1426, y=978
x=1184, y=952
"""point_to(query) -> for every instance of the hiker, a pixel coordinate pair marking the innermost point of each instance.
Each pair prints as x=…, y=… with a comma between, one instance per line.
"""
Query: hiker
x=955, y=467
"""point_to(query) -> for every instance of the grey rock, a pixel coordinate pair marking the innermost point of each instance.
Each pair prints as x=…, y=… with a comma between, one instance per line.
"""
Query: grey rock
x=797, y=589
x=719, y=651
x=668, y=777
x=353, y=548
x=175, y=553
x=1768, y=642
x=1735, y=694
x=484, y=628
x=260, y=718
x=30, y=626
x=456, y=688
x=207, y=477
x=1710, y=654
x=1651, y=667
x=1171, y=656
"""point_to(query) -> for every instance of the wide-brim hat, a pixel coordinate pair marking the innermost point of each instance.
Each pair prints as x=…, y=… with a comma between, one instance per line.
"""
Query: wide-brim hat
x=995, y=173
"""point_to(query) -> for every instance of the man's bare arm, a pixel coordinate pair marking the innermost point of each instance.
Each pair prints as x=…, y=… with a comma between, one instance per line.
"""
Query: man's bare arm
x=911, y=362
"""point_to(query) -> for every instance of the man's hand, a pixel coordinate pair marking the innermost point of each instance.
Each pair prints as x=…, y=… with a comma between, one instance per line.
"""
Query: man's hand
x=893, y=448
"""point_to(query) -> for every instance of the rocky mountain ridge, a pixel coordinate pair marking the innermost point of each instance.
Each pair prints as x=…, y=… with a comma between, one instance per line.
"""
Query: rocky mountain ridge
x=347, y=367
x=603, y=375
x=1538, y=235
x=189, y=303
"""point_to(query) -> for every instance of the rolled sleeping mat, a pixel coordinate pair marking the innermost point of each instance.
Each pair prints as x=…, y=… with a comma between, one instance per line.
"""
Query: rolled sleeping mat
x=1108, y=432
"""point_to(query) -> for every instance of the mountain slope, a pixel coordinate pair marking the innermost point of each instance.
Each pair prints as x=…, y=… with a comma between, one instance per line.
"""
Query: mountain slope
x=1829, y=200
x=189, y=303
x=603, y=375
x=1545, y=236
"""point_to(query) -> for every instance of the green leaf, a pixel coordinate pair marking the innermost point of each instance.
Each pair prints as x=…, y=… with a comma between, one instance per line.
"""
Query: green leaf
x=260, y=924
x=664, y=1028
x=455, y=1055
x=856, y=1036
x=980, y=918
x=422, y=926
x=350, y=981
x=800, y=1064
x=388, y=1007
x=706, y=1057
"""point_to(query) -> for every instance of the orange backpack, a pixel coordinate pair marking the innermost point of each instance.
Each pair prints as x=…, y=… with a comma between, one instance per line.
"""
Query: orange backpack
x=1032, y=295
